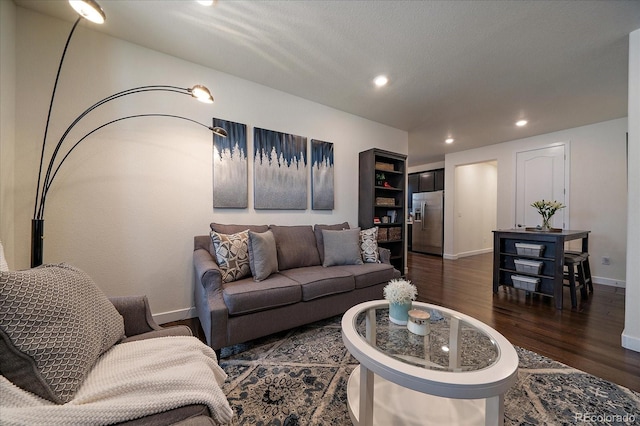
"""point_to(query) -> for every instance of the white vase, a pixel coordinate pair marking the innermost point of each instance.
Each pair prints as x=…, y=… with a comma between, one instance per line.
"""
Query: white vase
x=399, y=313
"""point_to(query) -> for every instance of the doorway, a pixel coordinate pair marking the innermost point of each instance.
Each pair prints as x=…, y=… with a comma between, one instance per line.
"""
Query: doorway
x=475, y=207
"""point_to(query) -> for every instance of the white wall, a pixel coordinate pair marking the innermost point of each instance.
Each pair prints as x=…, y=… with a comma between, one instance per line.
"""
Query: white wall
x=7, y=125
x=598, y=195
x=127, y=205
x=631, y=333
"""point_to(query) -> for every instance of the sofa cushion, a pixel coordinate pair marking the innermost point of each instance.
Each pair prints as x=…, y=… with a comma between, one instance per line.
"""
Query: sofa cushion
x=263, y=257
x=245, y=296
x=234, y=229
x=369, y=245
x=370, y=273
x=317, y=230
x=342, y=247
x=232, y=254
x=296, y=246
x=55, y=323
x=318, y=281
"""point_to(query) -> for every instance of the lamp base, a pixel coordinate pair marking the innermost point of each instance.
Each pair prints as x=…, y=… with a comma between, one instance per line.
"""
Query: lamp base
x=37, y=242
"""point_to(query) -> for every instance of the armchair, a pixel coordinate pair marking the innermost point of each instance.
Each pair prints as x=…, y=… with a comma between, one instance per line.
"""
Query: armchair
x=68, y=354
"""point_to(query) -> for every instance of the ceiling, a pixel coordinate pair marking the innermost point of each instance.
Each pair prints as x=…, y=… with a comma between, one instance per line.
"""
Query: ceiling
x=465, y=69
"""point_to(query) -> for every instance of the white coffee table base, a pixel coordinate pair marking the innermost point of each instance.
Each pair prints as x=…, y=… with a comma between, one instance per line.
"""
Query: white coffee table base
x=397, y=405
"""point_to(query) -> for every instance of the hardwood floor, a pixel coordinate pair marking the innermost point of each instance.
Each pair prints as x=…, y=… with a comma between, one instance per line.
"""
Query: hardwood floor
x=587, y=338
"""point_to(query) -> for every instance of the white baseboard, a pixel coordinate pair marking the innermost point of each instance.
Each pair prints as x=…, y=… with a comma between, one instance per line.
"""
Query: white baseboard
x=630, y=342
x=467, y=253
x=609, y=282
x=178, y=315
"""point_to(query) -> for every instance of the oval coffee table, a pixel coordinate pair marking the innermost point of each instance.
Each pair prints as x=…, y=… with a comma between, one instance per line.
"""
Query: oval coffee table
x=457, y=374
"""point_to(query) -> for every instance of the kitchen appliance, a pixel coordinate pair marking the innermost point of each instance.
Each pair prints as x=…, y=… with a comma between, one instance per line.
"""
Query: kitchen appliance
x=428, y=222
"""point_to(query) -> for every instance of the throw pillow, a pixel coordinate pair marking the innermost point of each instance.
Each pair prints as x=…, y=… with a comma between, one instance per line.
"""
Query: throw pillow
x=369, y=245
x=263, y=257
x=317, y=230
x=341, y=247
x=54, y=324
x=296, y=246
x=232, y=254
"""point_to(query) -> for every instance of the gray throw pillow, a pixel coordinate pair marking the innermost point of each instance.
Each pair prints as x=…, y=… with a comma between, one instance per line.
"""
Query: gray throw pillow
x=54, y=324
x=263, y=257
x=342, y=247
x=317, y=231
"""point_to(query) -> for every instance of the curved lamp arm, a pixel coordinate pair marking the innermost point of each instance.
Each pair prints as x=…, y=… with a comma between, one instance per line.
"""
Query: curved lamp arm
x=219, y=131
x=199, y=92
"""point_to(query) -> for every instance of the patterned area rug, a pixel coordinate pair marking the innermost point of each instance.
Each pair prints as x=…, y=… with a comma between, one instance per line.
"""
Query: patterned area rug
x=300, y=378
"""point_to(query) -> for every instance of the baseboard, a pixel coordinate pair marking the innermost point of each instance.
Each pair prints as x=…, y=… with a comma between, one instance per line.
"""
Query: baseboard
x=608, y=281
x=467, y=253
x=178, y=315
x=630, y=342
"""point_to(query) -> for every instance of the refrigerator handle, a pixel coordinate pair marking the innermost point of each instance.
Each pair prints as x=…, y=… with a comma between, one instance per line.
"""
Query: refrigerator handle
x=423, y=207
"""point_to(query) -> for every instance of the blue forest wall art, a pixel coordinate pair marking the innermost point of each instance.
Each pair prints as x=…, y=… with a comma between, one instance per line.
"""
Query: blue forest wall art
x=321, y=175
x=279, y=170
x=230, y=177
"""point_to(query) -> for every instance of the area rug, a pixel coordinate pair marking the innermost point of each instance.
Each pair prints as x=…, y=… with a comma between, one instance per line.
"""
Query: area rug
x=300, y=377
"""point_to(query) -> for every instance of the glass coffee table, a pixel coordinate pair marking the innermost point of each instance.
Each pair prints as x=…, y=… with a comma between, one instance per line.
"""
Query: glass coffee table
x=457, y=374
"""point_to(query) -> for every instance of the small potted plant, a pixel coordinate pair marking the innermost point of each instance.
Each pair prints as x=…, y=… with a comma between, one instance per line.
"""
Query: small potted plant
x=400, y=293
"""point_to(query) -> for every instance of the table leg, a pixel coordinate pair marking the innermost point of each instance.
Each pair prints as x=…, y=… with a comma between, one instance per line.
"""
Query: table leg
x=494, y=411
x=365, y=411
x=455, y=340
x=370, y=327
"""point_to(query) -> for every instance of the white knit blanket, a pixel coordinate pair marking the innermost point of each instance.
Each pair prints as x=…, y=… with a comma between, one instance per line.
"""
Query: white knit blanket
x=129, y=381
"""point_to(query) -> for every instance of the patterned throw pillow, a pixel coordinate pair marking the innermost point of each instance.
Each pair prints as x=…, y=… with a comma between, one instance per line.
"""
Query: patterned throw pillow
x=369, y=245
x=54, y=324
x=232, y=254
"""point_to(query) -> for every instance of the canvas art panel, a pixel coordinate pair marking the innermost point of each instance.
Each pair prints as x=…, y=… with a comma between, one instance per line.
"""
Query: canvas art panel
x=279, y=170
x=230, y=174
x=321, y=175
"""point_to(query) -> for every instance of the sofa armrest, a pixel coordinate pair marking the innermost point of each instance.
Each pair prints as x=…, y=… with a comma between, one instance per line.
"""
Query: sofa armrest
x=208, y=272
x=385, y=255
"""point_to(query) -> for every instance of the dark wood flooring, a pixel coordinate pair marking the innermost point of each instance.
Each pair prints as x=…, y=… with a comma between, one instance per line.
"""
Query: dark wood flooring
x=586, y=338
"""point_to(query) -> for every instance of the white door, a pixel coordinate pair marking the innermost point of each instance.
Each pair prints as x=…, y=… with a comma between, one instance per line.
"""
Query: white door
x=542, y=174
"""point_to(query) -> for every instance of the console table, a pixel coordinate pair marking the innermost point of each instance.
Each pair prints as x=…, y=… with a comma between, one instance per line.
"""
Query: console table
x=552, y=258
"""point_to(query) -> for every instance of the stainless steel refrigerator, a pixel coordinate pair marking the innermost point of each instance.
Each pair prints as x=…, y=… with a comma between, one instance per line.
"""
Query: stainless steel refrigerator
x=427, y=233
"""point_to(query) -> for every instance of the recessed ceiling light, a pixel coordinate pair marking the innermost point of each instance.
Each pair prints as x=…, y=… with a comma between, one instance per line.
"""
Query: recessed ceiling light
x=449, y=140
x=381, y=80
x=205, y=2
x=521, y=123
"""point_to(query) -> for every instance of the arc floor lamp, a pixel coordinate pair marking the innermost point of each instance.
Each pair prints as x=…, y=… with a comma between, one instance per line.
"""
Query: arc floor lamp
x=90, y=10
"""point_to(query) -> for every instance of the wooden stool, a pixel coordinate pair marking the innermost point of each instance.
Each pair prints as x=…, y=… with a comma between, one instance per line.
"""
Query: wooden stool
x=575, y=268
x=586, y=269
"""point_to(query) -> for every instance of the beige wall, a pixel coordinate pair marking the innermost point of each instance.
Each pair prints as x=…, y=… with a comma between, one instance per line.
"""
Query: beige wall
x=127, y=204
x=631, y=333
x=7, y=126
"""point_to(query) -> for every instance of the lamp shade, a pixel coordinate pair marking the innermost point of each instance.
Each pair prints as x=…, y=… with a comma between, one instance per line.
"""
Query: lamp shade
x=89, y=9
x=202, y=94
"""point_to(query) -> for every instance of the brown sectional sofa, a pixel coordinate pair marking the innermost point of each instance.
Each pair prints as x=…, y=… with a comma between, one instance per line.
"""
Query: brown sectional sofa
x=300, y=292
